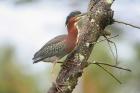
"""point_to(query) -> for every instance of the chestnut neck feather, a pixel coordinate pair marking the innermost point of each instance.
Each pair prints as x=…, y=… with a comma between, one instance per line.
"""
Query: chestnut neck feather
x=72, y=35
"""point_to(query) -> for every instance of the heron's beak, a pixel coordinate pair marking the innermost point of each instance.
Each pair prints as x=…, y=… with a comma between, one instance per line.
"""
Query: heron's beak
x=80, y=16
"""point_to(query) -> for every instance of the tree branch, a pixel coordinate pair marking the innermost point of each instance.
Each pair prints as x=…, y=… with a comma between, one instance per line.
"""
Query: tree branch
x=98, y=17
x=127, y=24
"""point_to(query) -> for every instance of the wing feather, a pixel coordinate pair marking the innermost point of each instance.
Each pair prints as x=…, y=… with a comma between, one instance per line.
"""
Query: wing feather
x=46, y=50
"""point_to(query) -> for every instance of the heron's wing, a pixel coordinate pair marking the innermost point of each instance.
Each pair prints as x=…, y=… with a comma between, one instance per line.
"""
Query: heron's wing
x=47, y=50
x=55, y=40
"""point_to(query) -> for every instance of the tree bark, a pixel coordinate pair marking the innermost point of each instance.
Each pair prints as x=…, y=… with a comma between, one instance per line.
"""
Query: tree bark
x=99, y=15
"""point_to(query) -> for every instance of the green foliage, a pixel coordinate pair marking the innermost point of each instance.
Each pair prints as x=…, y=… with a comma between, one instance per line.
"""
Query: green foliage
x=98, y=81
x=12, y=78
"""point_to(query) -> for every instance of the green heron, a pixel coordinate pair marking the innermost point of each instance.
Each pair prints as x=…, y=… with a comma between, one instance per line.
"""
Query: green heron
x=61, y=45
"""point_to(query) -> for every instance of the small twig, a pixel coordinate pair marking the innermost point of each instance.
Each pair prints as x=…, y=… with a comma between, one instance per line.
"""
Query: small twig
x=116, y=58
x=57, y=62
x=110, y=74
x=110, y=65
x=127, y=24
x=108, y=38
x=100, y=63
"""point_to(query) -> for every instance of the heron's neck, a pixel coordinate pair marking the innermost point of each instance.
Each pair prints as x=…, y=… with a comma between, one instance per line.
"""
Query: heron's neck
x=72, y=36
x=72, y=32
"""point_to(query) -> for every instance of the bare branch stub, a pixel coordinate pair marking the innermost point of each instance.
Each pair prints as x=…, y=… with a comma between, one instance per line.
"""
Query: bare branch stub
x=99, y=16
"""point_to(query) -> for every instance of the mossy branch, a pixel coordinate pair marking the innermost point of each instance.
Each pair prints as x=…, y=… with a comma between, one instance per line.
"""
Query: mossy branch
x=98, y=17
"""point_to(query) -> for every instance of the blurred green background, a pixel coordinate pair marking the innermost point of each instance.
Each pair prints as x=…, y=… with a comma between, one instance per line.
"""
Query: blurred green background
x=26, y=25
